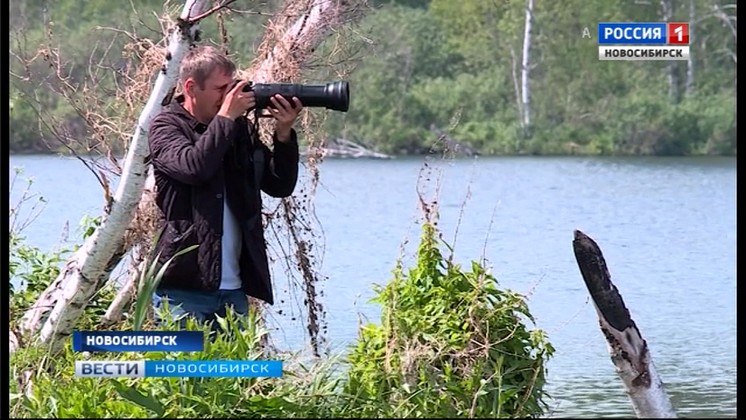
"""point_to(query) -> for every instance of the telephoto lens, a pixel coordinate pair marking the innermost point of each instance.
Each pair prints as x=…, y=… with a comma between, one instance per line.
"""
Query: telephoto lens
x=333, y=95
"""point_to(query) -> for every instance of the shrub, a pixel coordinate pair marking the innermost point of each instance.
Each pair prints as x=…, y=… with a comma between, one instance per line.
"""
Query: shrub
x=450, y=344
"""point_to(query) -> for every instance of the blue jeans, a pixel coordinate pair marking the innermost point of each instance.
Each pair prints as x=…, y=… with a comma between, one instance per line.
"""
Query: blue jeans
x=200, y=305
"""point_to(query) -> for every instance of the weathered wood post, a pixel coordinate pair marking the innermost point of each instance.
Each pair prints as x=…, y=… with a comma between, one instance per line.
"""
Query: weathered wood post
x=629, y=351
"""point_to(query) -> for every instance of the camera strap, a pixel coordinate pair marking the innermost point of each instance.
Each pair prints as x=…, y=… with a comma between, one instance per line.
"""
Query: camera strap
x=257, y=152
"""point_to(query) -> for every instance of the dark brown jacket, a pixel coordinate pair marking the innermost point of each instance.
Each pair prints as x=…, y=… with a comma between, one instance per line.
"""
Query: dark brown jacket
x=193, y=163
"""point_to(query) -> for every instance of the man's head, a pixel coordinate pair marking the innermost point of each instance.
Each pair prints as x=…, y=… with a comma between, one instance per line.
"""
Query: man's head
x=205, y=75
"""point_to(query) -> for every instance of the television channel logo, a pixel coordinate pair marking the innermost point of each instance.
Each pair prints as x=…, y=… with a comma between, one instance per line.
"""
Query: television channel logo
x=646, y=41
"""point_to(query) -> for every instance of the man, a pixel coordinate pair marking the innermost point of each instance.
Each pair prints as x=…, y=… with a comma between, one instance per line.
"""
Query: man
x=210, y=168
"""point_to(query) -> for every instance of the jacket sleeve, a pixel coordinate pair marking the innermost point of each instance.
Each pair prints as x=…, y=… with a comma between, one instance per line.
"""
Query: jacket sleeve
x=173, y=153
x=281, y=172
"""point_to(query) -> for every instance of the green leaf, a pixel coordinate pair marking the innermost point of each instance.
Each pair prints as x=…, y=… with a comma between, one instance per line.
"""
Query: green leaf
x=147, y=401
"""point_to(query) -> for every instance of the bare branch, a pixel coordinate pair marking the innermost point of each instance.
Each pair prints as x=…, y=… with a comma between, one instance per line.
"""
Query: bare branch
x=63, y=139
x=199, y=17
x=16, y=226
x=725, y=18
x=727, y=51
x=224, y=37
x=128, y=34
x=157, y=33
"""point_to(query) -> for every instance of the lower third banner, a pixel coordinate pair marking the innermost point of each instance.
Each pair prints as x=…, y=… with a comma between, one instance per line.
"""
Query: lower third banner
x=179, y=369
x=138, y=341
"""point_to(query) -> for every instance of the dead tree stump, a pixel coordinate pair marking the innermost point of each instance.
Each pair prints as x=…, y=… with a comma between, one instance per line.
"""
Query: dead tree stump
x=629, y=351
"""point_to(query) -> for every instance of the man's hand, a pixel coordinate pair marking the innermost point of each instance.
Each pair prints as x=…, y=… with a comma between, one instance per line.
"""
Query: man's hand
x=285, y=114
x=236, y=102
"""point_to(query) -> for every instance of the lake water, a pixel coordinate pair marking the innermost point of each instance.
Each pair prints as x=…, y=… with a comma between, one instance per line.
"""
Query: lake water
x=667, y=227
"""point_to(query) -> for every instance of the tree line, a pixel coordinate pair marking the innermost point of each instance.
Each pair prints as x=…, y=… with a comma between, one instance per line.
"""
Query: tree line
x=423, y=70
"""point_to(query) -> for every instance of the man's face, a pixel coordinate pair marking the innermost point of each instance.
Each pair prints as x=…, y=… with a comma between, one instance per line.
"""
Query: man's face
x=209, y=97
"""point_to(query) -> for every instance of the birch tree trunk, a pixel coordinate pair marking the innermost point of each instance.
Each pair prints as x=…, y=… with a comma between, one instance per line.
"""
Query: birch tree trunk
x=690, y=60
x=673, y=70
x=126, y=292
x=142, y=225
x=719, y=11
x=86, y=269
x=629, y=351
x=525, y=69
x=516, y=84
x=316, y=20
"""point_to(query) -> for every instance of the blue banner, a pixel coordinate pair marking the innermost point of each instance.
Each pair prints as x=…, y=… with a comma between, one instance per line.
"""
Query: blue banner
x=138, y=341
x=213, y=368
x=627, y=33
x=178, y=369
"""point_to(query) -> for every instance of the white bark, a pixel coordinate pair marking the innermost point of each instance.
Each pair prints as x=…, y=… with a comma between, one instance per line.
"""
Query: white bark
x=631, y=357
x=343, y=148
x=526, y=67
x=123, y=298
x=729, y=21
x=86, y=268
x=629, y=351
x=690, y=60
x=33, y=317
x=301, y=38
x=128, y=290
x=516, y=83
x=13, y=344
x=673, y=75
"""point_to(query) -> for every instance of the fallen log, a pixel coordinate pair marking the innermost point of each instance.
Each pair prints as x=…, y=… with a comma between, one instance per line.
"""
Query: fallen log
x=629, y=351
x=343, y=148
x=452, y=144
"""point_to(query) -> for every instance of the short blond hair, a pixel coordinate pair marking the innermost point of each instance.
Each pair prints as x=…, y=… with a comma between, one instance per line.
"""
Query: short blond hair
x=200, y=62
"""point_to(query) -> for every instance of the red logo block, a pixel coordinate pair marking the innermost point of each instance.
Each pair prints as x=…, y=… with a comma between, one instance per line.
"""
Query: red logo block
x=678, y=33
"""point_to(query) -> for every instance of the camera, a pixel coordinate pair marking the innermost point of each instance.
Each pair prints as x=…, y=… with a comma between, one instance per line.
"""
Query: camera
x=333, y=95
